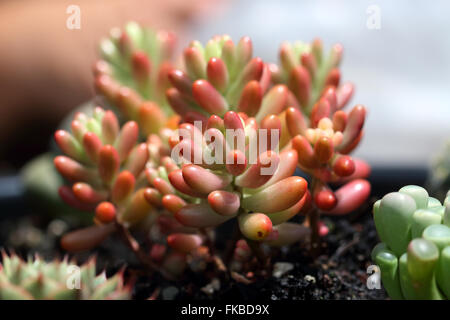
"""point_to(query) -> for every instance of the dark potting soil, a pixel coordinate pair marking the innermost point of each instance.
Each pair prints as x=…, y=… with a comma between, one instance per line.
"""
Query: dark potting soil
x=340, y=272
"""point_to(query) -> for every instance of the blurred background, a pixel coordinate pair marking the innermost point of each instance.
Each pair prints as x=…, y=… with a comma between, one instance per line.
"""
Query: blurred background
x=401, y=70
x=397, y=53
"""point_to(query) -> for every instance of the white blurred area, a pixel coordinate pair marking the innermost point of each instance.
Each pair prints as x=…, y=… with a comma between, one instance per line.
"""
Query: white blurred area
x=401, y=71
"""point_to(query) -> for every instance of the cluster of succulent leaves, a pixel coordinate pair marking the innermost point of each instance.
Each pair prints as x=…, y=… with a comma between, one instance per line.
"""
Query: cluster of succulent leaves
x=414, y=255
x=126, y=61
x=36, y=279
x=128, y=178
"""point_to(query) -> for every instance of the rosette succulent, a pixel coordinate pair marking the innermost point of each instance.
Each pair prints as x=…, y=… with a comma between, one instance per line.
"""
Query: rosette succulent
x=414, y=256
x=36, y=279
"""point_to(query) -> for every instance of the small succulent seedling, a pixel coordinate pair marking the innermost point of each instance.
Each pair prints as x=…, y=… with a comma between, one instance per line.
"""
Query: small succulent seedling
x=414, y=256
x=36, y=279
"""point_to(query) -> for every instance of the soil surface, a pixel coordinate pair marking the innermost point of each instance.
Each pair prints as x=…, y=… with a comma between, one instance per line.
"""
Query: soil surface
x=340, y=272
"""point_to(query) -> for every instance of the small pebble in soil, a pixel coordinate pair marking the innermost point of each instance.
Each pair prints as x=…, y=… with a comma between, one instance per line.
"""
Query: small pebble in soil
x=214, y=285
x=338, y=273
x=281, y=268
x=27, y=236
x=57, y=228
x=310, y=278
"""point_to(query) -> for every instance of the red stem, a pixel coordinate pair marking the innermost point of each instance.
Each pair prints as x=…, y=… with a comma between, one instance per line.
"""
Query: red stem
x=313, y=221
x=132, y=243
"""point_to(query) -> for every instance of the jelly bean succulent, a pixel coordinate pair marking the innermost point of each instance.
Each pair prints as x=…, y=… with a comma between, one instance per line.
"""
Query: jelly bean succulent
x=219, y=77
x=36, y=279
x=307, y=72
x=215, y=138
x=414, y=255
x=136, y=58
x=320, y=131
x=132, y=74
x=104, y=164
x=303, y=100
x=259, y=194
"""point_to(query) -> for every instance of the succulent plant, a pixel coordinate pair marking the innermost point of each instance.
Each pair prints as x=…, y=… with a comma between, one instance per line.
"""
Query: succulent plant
x=219, y=77
x=132, y=74
x=138, y=58
x=36, y=279
x=308, y=72
x=323, y=153
x=104, y=165
x=254, y=129
x=316, y=127
x=259, y=192
x=414, y=255
x=320, y=131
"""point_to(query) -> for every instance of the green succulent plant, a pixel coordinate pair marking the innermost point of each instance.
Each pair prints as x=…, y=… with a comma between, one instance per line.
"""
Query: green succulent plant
x=36, y=279
x=414, y=255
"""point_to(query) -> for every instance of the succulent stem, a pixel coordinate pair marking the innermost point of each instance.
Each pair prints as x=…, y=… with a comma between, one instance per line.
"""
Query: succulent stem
x=132, y=243
x=217, y=260
x=313, y=221
x=229, y=251
x=263, y=260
